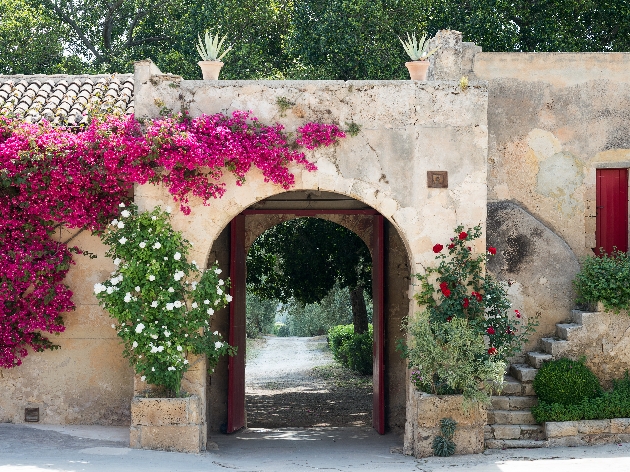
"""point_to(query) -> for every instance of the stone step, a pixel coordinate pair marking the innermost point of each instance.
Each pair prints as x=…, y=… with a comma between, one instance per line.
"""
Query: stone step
x=513, y=402
x=516, y=431
x=511, y=386
x=555, y=347
x=514, y=444
x=510, y=417
x=536, y=359
x=523, y=372
x=568, y=331
x=583, y=317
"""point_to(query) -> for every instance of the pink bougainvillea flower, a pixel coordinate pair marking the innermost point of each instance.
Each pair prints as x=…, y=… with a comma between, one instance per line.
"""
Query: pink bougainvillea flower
x=437, y=248
x=463, y=235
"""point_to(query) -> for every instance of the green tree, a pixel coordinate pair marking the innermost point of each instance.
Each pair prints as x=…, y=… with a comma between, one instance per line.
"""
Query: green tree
x=260, y=315
x=302, y=259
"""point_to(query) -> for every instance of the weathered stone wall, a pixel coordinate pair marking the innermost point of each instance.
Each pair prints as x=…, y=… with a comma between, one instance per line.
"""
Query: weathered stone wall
x=87, y=381
x=553, y=119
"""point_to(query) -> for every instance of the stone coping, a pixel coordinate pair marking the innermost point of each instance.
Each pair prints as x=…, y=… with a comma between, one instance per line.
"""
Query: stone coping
x=585, y=432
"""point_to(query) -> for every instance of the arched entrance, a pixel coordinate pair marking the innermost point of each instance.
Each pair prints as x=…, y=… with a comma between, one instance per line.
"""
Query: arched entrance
x=391, y=301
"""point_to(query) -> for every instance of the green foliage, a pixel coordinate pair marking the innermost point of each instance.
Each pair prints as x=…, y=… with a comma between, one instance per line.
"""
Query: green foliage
x=443, y=446
x=260, y=315
x=566, y=382
x=353, y=129
x=605, y=278
x=452, y=357
x=612, y=404
x=161, y=303
x=281, y=330
x=352, y=350
x=284, y=104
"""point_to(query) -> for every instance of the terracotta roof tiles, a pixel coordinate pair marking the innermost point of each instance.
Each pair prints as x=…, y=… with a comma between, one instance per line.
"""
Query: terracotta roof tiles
x=64, y=99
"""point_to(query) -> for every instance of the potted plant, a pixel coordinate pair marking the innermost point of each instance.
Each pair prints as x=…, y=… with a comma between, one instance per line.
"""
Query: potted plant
x=419, y=54
x=210, y=59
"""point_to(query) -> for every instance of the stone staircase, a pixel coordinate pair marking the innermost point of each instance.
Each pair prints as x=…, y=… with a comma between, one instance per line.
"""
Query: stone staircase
x=510, y=422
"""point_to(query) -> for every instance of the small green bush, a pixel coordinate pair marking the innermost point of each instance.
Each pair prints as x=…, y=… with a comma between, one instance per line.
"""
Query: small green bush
x=566, y=382
x=352, y=350
x=605, y=278
x=613, y=404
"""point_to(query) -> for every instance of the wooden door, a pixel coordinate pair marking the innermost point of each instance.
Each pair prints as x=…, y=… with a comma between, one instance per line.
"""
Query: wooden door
x=378, y=322
x=236, y=364
x=612, y=210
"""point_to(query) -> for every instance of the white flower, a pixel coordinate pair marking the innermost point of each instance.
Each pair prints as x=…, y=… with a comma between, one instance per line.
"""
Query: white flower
x=171, y=290
x=167, y=333
x=114, y=326
x=114, y=222
x=228, y=297
x=219, y=291
x=218, y=345
x=165, y=258
x=157, y=245
x=135, y=344
x=216, y=302
x=216, y=333
x=152, y=369
x=177, y=256
x=171, y=368
x=169, y=306
x=217, y=271
x=154, y=336
x=122, y=240
x=151, y=278
x=139, y=328
x=98, y=288
x=194, y=263
x=137, y=288
x=154, y=218
x=120, y=225
x=177, y=304
x=194, y=285
x=206, y=302
x=210, y=311
x=179, y=348
x=122, y=205
x=114, y=281
x=127, y=297
x=142, y=245
x=154, y=304
x=143, y=378
x=154, y=349
x=185, y=361
x=168, y=209
x=110, y=290
x=178, y=275
x=125, y=214
x=160, y=349
x=221, y=282
x=117, y=261
x=194, y=305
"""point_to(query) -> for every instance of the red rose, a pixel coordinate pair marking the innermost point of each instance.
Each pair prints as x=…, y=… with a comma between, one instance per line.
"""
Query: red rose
x=477, y=295
x=449, y=319
x=492, y=351
x=445, y=290
x=466, y=302
x=437, y=248
x=463, y=235
x=451, y=246
x=518, y=313
x=490, y=330
x=469, y=248
x=492, y=250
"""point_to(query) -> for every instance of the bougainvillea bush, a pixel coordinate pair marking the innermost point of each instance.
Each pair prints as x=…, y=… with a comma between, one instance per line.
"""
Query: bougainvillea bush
x=51, y=177
x=464, y=337
x=162, y=303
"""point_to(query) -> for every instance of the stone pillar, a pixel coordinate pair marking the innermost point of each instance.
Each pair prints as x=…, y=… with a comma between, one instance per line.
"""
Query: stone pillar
x=453, y=59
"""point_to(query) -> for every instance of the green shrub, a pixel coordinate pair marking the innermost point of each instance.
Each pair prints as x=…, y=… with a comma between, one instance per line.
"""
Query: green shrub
x=281, y=330
x=605, y=279
x=566, y=382
x=352, y=350
x=613, y=404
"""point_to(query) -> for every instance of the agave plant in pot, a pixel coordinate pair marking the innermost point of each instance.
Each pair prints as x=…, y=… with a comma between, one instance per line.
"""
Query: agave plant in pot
x=209, y=50
x=419, y=54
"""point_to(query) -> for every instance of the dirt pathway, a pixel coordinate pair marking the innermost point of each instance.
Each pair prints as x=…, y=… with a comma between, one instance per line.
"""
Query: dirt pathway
x=293, y=382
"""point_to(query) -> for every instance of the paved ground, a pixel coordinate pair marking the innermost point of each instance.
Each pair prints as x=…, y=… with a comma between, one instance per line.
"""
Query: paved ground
x=101, y=448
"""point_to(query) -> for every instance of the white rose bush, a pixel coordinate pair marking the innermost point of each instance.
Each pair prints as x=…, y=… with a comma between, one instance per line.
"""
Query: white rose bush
x=161, y=303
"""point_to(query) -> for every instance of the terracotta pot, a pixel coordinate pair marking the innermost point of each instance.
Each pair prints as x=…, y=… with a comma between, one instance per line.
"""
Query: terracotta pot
x=418, y=69
x=210, y=69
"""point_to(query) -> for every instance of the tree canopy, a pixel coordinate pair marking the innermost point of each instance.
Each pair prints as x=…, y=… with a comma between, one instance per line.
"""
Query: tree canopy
x=289, y=39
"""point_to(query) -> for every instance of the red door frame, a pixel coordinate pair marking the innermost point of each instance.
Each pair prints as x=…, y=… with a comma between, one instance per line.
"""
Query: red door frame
x=612, y=210
x=236, y=364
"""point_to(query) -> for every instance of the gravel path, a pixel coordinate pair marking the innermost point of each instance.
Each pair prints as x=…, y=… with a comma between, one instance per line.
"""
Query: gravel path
x=293, y=382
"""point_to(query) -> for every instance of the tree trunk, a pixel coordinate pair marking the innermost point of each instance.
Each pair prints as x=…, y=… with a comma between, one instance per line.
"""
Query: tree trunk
x=359, y=312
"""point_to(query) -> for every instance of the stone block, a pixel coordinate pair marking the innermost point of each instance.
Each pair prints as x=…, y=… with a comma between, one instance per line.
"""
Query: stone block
x=561, y=429
x=176, y=438
x=528, y=389
x=507, y=431
x=514, y=417
x=501, y=403
x=520, y=403
x=165, y=411
x=620, y=425
x=593, y=426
